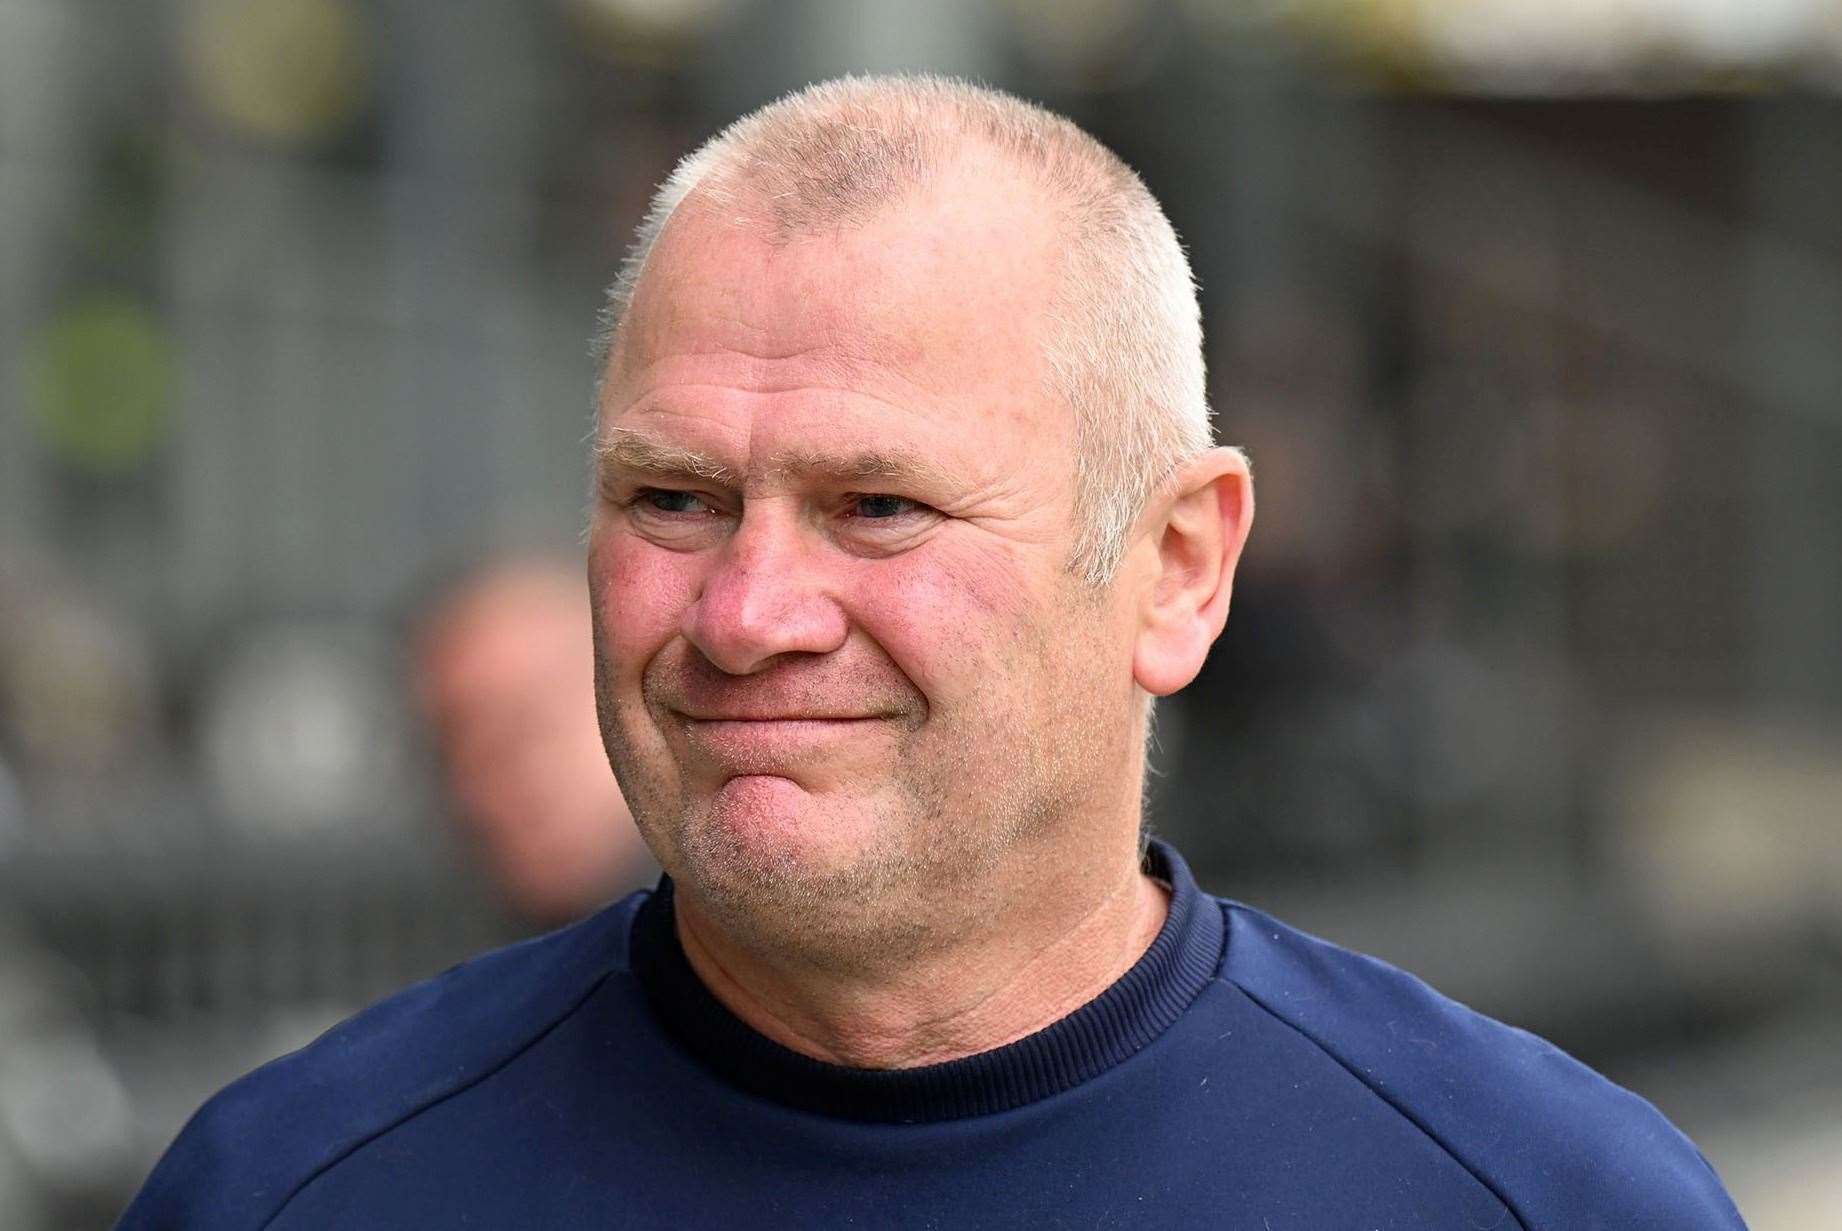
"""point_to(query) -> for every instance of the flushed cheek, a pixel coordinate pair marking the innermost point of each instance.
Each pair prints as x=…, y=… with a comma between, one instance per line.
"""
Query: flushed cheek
x=950, y=621
x=640, y=596
x=636, y=602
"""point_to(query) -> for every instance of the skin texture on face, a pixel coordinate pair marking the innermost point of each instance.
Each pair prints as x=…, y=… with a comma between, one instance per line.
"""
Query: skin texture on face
x=849, y=685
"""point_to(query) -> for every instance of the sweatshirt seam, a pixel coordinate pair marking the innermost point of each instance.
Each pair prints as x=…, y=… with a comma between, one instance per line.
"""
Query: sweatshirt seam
x=1399, y=1109
x=436, y=1100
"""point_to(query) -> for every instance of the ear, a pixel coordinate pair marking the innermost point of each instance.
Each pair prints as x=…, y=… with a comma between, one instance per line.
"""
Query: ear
x=1200, y=530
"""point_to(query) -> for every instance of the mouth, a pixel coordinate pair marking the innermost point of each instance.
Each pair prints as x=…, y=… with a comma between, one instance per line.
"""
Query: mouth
x=759, y=743
x=796, y=719
x=791, y=727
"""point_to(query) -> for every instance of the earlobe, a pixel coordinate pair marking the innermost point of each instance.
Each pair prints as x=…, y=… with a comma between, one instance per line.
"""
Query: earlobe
x=1201, y=530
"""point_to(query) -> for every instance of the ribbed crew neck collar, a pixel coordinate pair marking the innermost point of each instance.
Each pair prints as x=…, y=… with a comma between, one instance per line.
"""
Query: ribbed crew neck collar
x=1104, y=1032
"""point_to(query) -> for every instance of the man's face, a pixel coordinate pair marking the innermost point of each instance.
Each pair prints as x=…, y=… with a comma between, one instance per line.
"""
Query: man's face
x=844, y=674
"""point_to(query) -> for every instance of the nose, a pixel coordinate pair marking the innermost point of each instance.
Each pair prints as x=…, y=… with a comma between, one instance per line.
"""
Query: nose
x=765, y=596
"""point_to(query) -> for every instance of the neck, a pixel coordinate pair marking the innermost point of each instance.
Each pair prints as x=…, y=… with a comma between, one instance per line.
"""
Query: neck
x=1037, y=959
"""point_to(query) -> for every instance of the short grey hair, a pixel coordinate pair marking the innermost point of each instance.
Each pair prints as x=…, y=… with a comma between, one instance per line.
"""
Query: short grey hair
x=1125, y=351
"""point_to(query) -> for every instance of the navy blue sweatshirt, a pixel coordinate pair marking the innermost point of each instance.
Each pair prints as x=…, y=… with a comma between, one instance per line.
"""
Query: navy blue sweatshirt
x=1240, y=1075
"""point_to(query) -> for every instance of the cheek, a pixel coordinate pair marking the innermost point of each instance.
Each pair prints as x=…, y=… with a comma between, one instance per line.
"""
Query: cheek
x=640, y=594
x=953, y=621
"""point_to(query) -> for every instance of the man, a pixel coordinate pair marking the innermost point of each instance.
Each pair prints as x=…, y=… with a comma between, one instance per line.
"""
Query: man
x=907, y=509
x=503, y=671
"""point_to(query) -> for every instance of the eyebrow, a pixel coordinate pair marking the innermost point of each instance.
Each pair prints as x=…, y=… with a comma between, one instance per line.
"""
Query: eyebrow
x=625, y=449
x=628, y=450
x=899, y=465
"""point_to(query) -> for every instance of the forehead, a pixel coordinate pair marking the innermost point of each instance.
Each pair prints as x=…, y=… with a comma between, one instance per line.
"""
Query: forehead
x=942, y=295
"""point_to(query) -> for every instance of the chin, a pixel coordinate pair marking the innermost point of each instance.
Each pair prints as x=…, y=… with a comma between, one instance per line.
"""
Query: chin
x=779, y=864
x=850, y=878
x=770, y=830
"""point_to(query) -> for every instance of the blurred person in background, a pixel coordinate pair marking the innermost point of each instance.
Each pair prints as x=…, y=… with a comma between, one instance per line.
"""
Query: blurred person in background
x=908, y=509
x=504, y=674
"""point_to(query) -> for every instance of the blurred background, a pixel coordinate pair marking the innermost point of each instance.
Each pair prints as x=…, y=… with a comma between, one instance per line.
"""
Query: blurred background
x=1530, y=314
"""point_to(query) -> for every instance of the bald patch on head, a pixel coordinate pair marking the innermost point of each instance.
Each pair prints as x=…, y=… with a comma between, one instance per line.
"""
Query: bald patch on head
x=836, y=335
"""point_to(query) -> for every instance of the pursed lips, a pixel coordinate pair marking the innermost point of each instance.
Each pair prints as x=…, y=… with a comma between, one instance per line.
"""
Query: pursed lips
x=747, y=718
x=786, y=725
x=775, y=710
x=760, y=743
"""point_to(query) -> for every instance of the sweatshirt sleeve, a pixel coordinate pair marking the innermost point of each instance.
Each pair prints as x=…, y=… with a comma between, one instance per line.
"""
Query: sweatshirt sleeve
x=1561, y=1146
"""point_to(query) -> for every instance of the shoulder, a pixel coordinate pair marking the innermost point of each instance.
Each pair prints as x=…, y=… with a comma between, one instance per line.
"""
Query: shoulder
x=252, y=1145
x=1559, y=1144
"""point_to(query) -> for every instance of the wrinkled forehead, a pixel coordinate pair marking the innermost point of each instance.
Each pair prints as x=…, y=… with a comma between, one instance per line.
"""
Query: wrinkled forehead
x=952, y=277
x=714, y=283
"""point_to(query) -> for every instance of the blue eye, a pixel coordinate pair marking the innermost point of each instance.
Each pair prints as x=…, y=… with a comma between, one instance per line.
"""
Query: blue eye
x=879, y=507
x=666, y=500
